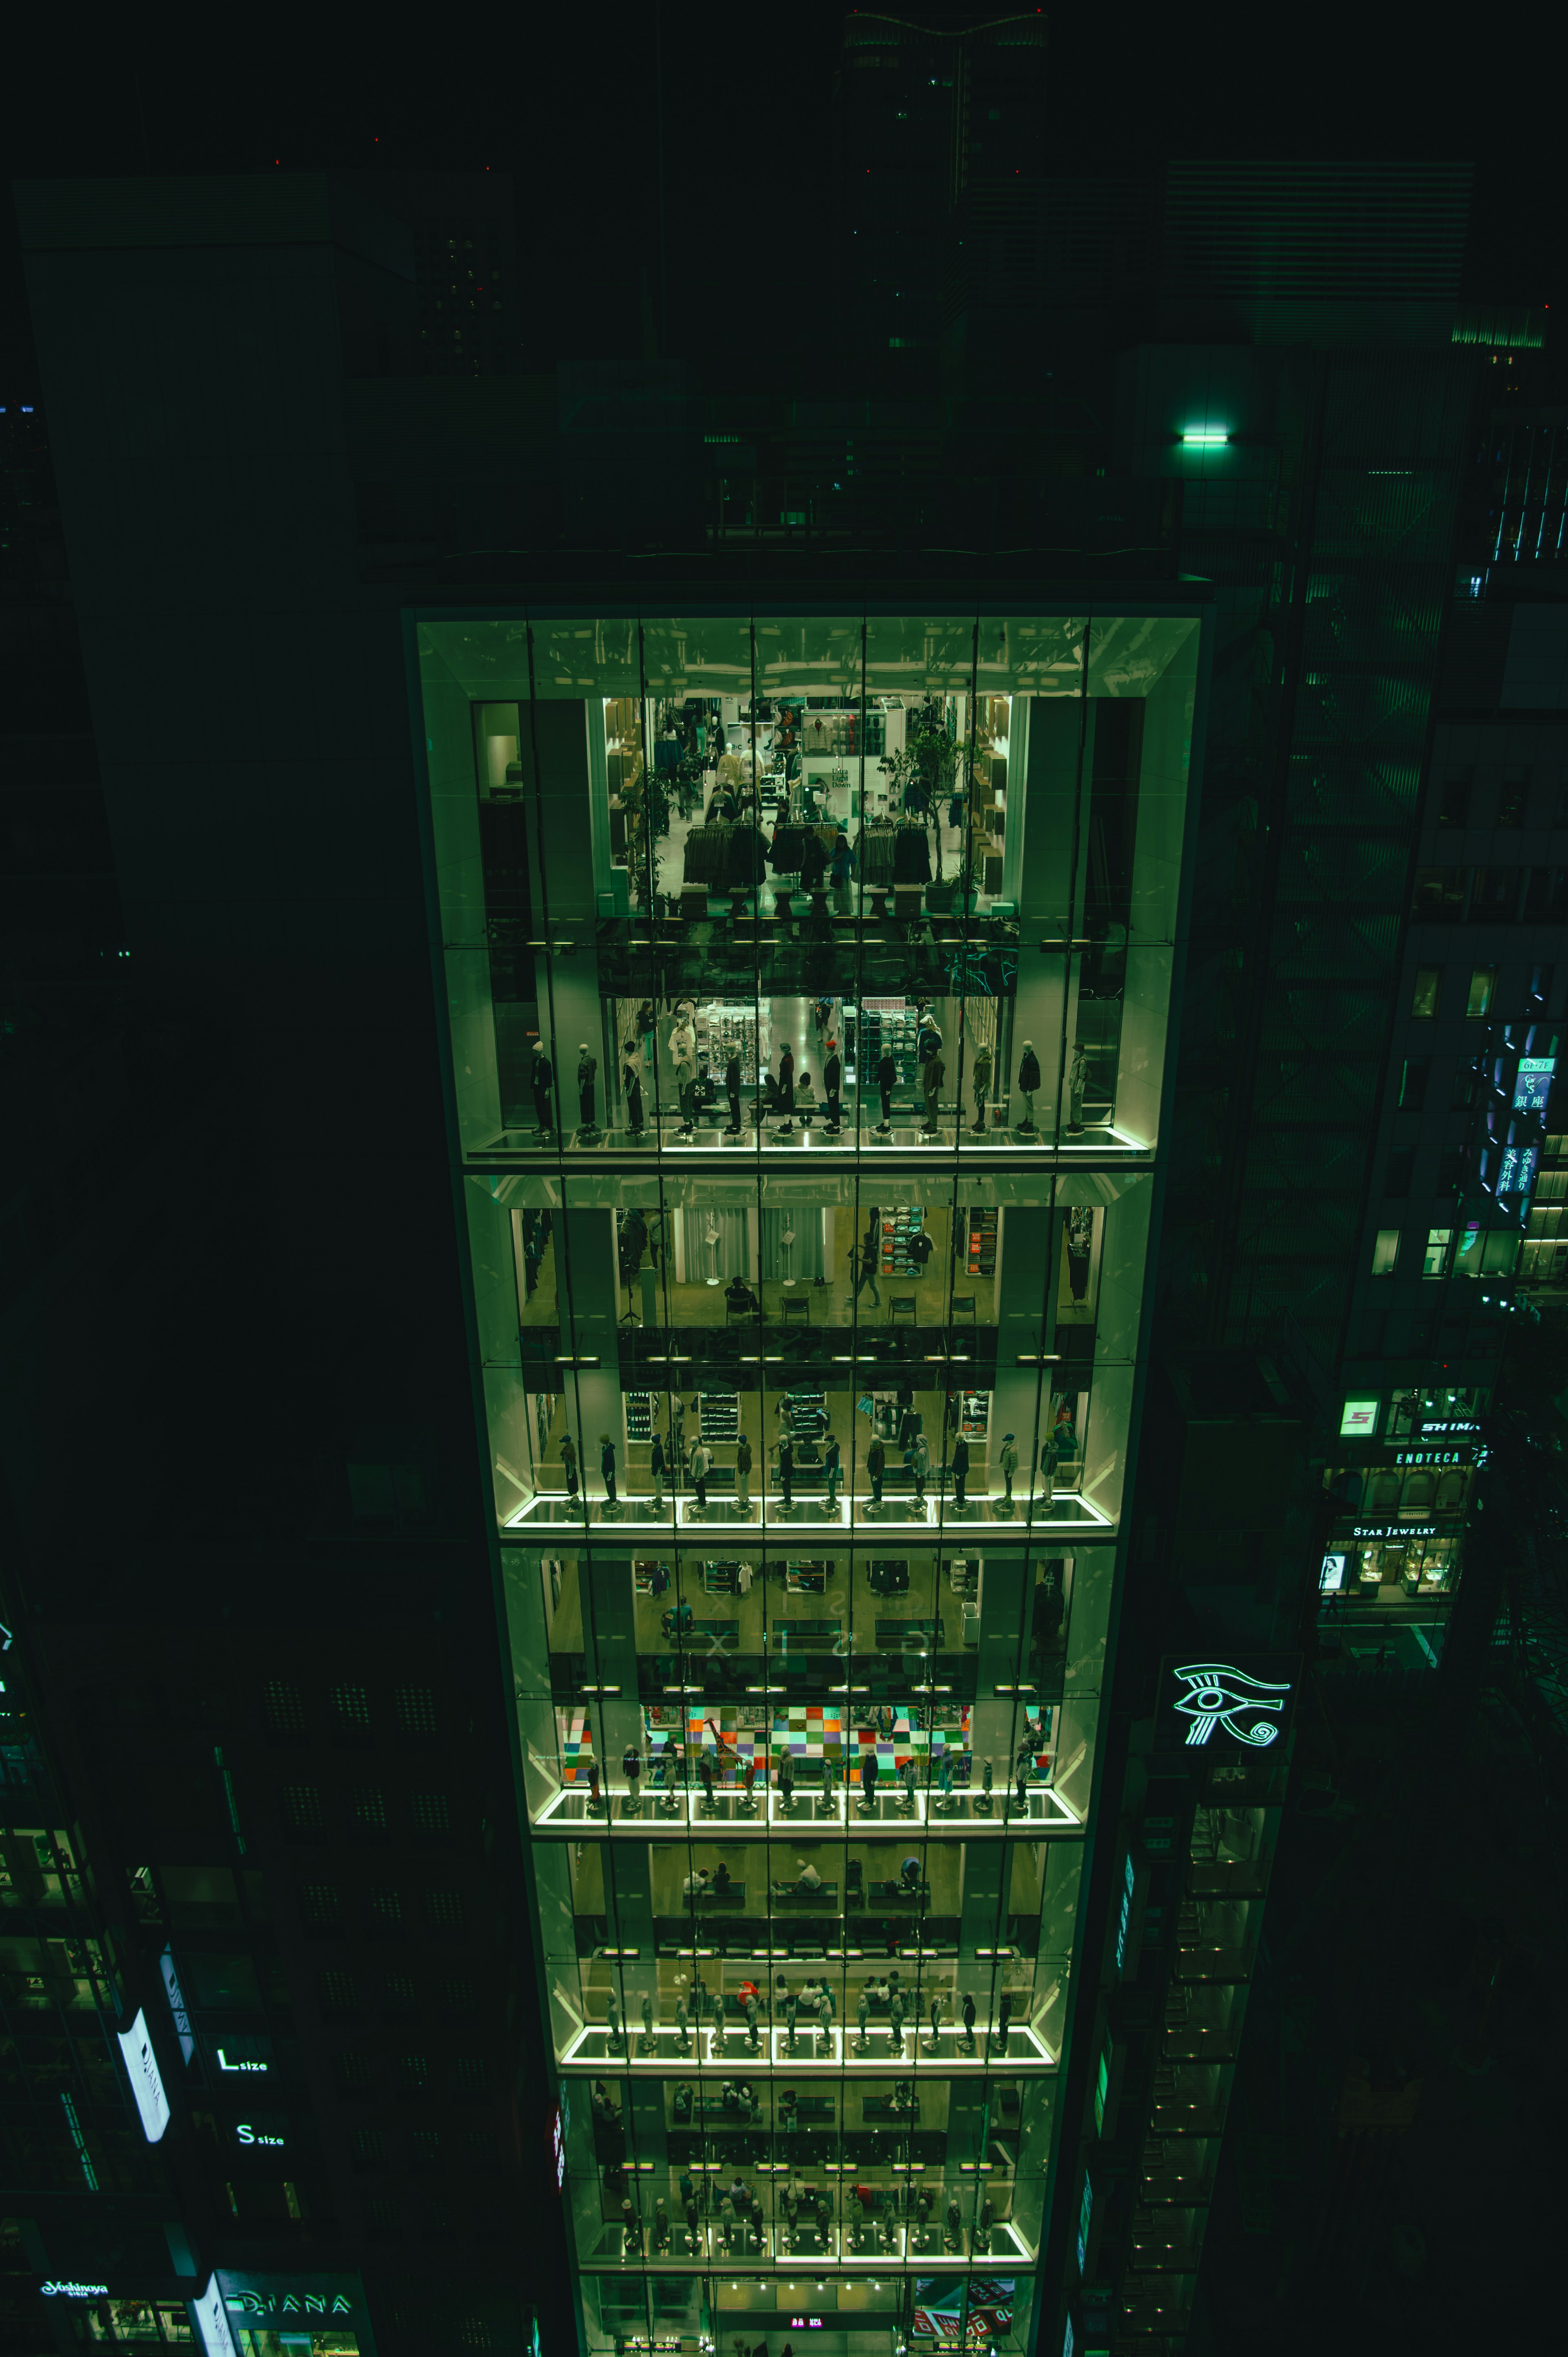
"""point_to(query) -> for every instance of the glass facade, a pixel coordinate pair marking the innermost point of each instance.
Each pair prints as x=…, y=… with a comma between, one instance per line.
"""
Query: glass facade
x=809, y=983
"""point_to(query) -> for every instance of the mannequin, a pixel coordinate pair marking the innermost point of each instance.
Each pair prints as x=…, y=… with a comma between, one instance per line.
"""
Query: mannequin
x=632, y=1080
x=895, y=2024
x=936, y=2023
x=732, y=1090
x=832, y=1082
x=933, y=1072
x=647, y=2025
x=543, y=1075
x=863, y=2043
x=587, y=1067
x=968, y=2022
x=1077, y=1077
x=980, y=1077
x=1028, y=1081
x=684, y=1055
x=787, y=1090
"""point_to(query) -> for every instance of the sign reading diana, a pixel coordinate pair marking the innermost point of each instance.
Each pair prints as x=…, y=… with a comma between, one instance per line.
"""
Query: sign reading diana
x=284, y=2303
x=1243, y=1703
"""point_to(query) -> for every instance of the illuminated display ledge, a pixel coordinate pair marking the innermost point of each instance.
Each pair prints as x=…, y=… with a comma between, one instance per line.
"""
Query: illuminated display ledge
x=908, y=1141
x=674, y=1814
x=724, y=1517
x=1007, y=2243
x=1025, y=2049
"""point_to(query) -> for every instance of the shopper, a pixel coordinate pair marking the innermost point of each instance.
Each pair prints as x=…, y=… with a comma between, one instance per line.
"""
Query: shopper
x=607, y=1465
x=875, y=1465
x=732, y=1090
x=702, y=1463
x=1008, y=1460
x=832, y=1466
x=920, y=1455
x=887, y=1079
x=868, y=1275
x=1028, y=1081
x=656, y=1467
x=823, y=1013
x=832, y=1082
x=959, y=1468
x=813, y=863
x=743, y=1470
x=587, y=1066
x=569, y=1459
x=786, y=1467
x=807, y=1095
x=739, y=1297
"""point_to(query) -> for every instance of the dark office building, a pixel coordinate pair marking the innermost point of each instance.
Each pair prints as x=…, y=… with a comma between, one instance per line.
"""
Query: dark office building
x=706, y=1026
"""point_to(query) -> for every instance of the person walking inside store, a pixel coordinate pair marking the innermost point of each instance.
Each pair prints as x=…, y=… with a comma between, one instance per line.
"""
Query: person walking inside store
x=569, y=1459
x=959, y=1468
x=869, y=1251
x=743, y=1470
x=876, y=1466
x=702, y=1465
x=832, y=1082
x=887, y=1079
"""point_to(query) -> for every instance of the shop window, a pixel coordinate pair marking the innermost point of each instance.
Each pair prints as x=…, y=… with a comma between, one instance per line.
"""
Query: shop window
x=1468, y=1261
x=1423, y=999
x=1495, y=895
x=1453, y=809
x=1385, y=1252
x=1400, y=1169
x=1439, y=896
x=1413, y=1083
x=1512, y=796
x=1439, y=1243
x=1383, y=1495
x=1483, y=982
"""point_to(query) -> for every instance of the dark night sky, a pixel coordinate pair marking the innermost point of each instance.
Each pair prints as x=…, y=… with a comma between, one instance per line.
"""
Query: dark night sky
x=564, y=97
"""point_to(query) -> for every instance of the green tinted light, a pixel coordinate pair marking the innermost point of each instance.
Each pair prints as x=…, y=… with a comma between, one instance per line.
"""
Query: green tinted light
x=1206, y=438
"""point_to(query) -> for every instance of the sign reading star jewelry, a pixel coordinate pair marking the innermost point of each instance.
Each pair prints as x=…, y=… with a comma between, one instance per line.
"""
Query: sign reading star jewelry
x=1242, y=1703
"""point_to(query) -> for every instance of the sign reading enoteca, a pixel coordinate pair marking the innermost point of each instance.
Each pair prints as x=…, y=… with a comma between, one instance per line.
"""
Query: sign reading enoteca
x=1239, y=1703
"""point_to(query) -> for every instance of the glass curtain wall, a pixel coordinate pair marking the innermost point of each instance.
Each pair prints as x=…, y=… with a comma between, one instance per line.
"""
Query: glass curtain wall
x=807, y=983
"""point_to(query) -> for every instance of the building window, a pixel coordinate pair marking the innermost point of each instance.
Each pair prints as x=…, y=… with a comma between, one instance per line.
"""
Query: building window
x=369, y=2147
x=283, y=1706
x=1439, y=1242
x=416, y=1710
x=1385, y=1252
x=386, y=1910
x=355, y=2072
x=371, y=1811
x=1400, y=1169
x=351, y=1710
x=384, y=2220
x=1495, y=895
x=320, y=1909
x=428, y=2148
x=457, y=1999
x=1462, y=1094
x=1455, y=807
x=1512, y=796
x=1439, y=896
x=401, y=1993
x=1423, y=1000
x=1413, y=1083
x=414, y=2070
x=302, y=1811
x=1546, y=897
x=339, y=1997
x=431, y=1815
x=444, y=1909
x=1483, y=982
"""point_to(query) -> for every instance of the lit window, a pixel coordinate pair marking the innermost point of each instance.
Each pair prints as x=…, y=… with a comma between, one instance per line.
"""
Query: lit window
x=1439, y=1241
x=1423, y=1000
x=1483, y=981
x=1385, y=1252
